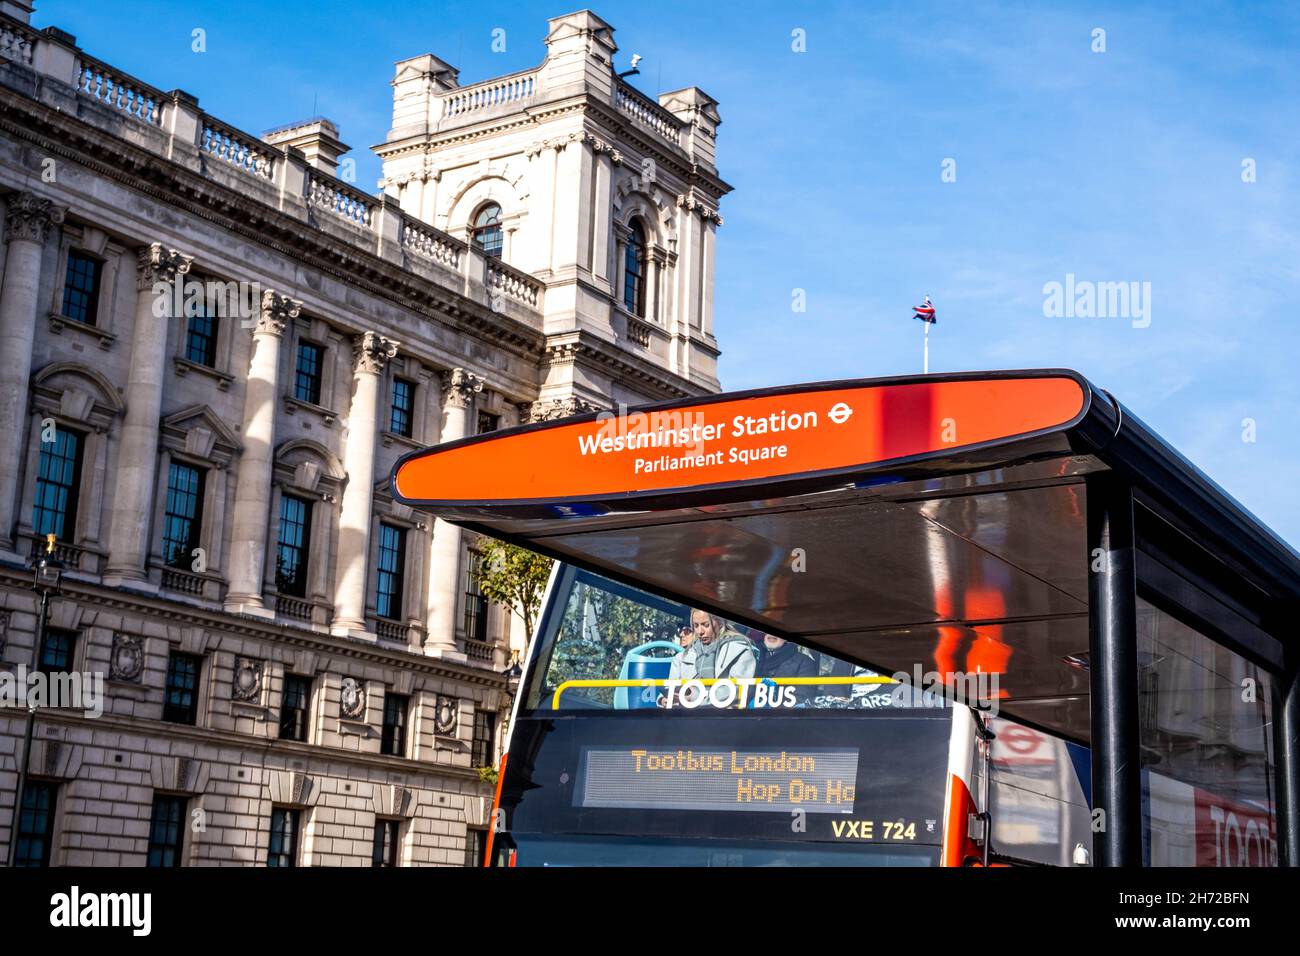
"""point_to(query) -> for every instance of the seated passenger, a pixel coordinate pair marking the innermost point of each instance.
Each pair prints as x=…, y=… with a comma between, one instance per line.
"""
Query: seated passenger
x=718, y=650
x=686, y=637
x=784, y=659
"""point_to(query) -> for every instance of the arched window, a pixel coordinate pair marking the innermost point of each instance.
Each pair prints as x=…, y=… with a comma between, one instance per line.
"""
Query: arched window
x=487, y=230
x=634, y=271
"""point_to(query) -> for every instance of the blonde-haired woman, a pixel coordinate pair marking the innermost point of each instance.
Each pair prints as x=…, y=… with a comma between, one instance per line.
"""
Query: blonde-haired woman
x=718, y=650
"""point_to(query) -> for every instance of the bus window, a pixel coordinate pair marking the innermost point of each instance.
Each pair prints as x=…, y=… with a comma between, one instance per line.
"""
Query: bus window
x=602, y=626
x=598, y=631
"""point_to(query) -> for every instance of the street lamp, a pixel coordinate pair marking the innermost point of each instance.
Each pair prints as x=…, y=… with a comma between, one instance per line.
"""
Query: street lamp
x=47, y=576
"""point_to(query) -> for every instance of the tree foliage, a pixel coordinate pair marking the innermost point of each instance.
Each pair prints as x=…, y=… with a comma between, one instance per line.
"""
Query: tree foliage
x=513, y=576
x=597, y=630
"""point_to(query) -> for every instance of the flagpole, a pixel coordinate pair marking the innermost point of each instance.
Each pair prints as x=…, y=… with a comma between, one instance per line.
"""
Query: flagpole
x=925, y=366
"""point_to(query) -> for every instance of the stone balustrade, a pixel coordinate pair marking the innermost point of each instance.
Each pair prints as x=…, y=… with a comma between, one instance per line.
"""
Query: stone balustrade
x=514, y=88
x=118, y=90
x=244, y=152
x=172, y=125
x=344, y=201
x=430, y=243
x=502, y=279
x=482, y=652
x=648, y=113
x=17, y=42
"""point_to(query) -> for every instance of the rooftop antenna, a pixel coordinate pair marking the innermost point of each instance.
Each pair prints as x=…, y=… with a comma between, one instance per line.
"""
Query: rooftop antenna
x=636, y=58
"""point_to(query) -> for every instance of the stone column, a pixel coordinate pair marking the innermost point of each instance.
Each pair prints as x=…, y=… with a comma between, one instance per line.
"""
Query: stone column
x=27, y=226
x=458, y=386
x=248, y=538
x=128, y=530
x=654, y=266
x=371, y=352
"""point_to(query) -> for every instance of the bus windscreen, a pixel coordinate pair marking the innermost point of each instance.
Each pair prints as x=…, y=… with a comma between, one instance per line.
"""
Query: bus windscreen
x=677, y=735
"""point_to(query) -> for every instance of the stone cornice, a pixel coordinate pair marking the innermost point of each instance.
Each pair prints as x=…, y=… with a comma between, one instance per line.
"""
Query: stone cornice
x=591, y=350
x=536, y=114
x=233, y=740
x=90, y=595
x=58, y=134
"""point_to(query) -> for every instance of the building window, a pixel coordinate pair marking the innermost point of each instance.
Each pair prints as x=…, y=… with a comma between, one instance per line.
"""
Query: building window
x=487, y=422
x=183, y=518
x=307, y=376
x=387, y=834
x=57, y=646
x=181, y=704
x=483, y=750
x=393, y=739
x=487, y=230
x=476, y=605
x=166, y=831
x=81, y=287
x=36, y=824
x=475, y=847
x=201, y=339
x=283, y=847
x=634, y=271
x=391, y=565
x=58, y=485
x=399, y=421
x=293, y=707
x=291, y=550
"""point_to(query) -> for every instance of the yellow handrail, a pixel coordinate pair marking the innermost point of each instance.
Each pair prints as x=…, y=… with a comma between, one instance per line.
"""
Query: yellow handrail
x=706, y=681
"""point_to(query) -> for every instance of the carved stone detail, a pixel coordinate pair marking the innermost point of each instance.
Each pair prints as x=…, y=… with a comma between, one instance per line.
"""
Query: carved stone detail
x=371, y=352
x=28, y=216
x=445, y=716
x=126, y=659
x=693, y=205
x=352, y=698
x=156, y=263
x=247, y=682
x=458, y=386
x=558, y=143
x=556, y=408
x=277, y=310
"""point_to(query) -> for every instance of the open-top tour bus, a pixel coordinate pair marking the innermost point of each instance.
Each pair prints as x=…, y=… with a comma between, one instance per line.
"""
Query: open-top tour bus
x=944, y=620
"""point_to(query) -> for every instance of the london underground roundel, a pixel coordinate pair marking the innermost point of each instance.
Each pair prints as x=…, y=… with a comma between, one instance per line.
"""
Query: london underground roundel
x=773, y=434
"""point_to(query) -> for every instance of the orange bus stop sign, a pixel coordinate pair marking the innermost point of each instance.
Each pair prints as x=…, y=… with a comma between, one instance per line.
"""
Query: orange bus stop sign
x=774, y=433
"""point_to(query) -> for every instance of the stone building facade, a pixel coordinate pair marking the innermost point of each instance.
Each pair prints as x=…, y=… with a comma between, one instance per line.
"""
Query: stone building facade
x=213, y=349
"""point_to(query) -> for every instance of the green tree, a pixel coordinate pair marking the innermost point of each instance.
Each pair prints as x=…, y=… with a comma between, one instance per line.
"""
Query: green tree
x=515, y=577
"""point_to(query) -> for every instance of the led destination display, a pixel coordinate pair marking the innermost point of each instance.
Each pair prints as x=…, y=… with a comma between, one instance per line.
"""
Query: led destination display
x=816, y=781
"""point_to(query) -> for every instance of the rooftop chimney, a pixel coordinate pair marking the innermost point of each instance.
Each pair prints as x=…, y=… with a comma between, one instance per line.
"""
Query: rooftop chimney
x=18, y=9
x=318, y=139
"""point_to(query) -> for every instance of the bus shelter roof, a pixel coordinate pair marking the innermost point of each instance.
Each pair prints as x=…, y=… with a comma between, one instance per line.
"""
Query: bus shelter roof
x=934, y=523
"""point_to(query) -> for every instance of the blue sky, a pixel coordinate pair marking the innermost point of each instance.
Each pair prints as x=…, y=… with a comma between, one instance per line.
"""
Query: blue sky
x=1122, y=166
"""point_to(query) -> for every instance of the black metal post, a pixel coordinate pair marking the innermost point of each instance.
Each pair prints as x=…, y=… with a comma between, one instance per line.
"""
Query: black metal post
x=25, y=766
x=1112, y=640
x=1288, y=770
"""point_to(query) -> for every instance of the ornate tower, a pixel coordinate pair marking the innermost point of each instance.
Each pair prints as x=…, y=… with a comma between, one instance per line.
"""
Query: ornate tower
x=568, y=172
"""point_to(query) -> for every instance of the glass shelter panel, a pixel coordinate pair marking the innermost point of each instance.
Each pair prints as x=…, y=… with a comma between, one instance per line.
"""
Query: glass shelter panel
x=1205, y=716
